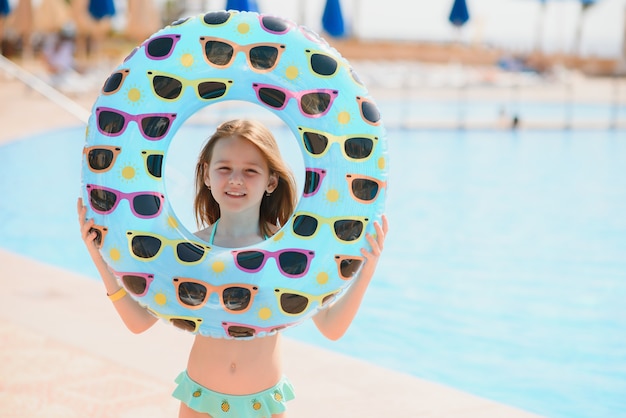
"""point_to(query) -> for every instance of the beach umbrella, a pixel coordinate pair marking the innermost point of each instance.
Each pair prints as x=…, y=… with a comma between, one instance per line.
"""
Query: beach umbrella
x=242, y=5
x=99, y=9
x=4, y=8
x=459, y=15
x=332, y=20
x=587, y=3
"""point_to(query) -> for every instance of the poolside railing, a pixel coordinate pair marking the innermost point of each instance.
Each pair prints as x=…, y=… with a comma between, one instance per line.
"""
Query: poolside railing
x=49, y=92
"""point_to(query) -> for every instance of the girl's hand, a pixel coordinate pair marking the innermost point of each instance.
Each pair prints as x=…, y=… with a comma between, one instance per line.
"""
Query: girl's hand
x=377, y=244
x=334, y=321
x=90, y=236
x=136, y=318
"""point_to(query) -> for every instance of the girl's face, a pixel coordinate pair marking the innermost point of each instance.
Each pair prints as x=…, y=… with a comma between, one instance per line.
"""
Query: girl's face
x=238, y=176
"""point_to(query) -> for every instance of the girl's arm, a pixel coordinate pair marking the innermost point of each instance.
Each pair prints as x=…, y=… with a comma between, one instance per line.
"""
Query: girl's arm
x=334, y=321
x=136, y=318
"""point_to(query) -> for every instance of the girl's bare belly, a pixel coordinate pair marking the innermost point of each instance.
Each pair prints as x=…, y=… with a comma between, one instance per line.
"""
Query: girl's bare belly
x=235, y=367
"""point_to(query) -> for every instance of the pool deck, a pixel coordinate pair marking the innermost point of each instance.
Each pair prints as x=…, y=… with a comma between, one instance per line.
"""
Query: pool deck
x=65, y=353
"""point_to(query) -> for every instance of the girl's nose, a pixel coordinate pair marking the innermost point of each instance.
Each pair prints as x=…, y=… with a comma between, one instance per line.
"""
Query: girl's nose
x=235, y=178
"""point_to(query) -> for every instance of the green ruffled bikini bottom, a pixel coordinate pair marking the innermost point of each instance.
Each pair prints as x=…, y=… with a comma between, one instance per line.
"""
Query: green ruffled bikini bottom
x=219, y=405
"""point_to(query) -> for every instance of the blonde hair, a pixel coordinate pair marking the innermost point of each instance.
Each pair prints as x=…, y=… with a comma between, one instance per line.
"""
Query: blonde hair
x=276, y=208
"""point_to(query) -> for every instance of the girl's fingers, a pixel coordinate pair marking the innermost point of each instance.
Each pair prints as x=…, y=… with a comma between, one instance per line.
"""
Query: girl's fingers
x=385, y=224
x=86, y=227
x=380, y=235
x=374, y=244
x=377, y=242
x=81, y=210
x=381, y=231
x=87, y=233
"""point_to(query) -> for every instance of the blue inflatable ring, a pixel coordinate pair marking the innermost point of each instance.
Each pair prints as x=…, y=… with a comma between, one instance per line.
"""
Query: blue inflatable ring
x=278, y=65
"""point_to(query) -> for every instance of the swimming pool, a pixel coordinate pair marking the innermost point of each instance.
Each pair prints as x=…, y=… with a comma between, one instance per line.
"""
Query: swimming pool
x=504, y=273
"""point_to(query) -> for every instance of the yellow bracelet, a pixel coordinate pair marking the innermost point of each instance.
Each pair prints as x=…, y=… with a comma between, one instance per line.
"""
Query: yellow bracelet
x=117, y=295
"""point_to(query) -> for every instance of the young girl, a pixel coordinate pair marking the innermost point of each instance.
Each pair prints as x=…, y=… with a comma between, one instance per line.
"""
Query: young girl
x=244, y=193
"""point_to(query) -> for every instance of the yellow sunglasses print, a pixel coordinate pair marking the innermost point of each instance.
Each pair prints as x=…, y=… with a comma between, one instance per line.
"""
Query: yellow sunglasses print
x=146, y=246
x=355, y=148
x=292, y=302
x=345, y=228
x=170, y=87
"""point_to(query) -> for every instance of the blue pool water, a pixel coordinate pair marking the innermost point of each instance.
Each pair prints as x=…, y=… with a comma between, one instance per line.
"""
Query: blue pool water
x=504, y=273
x=475, y=110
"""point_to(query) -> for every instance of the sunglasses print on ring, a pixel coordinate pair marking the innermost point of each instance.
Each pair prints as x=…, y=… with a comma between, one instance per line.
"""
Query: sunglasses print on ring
x=152, y=126
x=154, y=163
x=135, y=282
x=160, y=47
x=323, y=65
x=235, y=298
x=101, y=158
x=345, y=228
x=114, y=82
x=145, y=246
x=355, y=148
x=364, y=189
x=312, y=103
x=292, y=262
x=216, y=18
x=293, y=302
x=237, y=330
x=221, y=53
x=186, y=323
x=144, y=205
x=313, y=181
x=180, y=21
x=348, y=265
x=280, y=26
x=170, y=87
x=369, y=111
x=275, y=25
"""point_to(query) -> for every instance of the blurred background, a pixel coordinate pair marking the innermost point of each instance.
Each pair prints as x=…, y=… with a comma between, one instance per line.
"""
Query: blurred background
x=560, y=51
x=504, y=274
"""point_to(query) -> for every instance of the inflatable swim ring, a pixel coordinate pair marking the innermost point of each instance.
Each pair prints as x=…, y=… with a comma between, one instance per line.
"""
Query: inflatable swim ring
x=274, y=63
